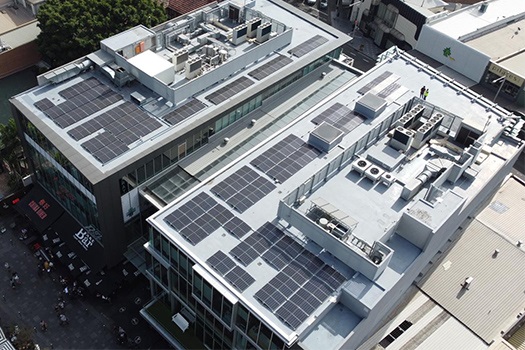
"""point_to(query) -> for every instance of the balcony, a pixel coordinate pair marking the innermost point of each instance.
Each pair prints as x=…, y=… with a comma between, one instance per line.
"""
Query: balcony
x=158, y=315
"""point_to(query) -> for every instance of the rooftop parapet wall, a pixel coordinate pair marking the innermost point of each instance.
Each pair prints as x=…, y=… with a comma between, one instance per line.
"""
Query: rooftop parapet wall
x=347, y=253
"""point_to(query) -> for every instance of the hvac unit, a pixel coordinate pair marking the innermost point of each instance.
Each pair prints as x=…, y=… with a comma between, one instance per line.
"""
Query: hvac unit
x=406, y=120
x=263, y=32
x=402, y=139
x=193, y=67
x=253, y=24
x=179, y=59
x=418, y=110
x=374, y=173
x=239, y=34
x=388, y=179
x=360, y=165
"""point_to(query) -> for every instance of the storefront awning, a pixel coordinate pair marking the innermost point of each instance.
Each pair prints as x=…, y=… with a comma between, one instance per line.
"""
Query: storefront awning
x=80, y=241
x=41, y=209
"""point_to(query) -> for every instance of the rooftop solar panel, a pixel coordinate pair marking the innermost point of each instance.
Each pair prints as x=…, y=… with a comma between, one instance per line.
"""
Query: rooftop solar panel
x=270, y=67
x=44, y=104
x=243, y=189
x=339, y=116
x=79, y=88
x=239, y=278
x=291, y=315
x=221, y=262
x=185, y=111
x=370, y=85
x=201, y=216
x=284, y=159
x=230, y=90
x=388, y=90
x=307, y=46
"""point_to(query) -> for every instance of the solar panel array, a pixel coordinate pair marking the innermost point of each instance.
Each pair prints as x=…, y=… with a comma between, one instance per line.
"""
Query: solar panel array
x=374, y=82
x=198, y=218
x=83, y=99
x=339, y=116
x=126, y=123
x=234, y=274
x=185, y=111
x=105, y=146
x=270, y=67
x=307, y=46
x=230, y=90
x=300, y=288
x=256, y=244
x=243, y=189
x=388, y=90
x=285, y=158
x=304, y=280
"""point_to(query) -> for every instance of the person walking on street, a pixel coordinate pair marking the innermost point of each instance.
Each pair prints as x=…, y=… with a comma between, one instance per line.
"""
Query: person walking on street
x=43, y=326
x=422, y=92
x=425, y=94
x=63, y=319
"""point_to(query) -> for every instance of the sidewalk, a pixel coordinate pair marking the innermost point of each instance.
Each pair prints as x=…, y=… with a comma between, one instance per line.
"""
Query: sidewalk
x=91, y=320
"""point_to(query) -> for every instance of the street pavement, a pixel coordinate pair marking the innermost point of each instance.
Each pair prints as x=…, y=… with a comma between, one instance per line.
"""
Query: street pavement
x=91, y=320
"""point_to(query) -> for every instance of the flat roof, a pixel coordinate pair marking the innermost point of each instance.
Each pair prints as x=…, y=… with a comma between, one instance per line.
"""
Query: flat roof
x=514, y=63
x=502, y=42
x=470, y=19
x=11, y=18
x=160, y=131
x=495, y=296
x=373, y=205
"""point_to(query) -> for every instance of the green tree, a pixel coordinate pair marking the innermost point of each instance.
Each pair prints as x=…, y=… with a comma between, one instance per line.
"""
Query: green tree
x=11, y=152
x=73, y=28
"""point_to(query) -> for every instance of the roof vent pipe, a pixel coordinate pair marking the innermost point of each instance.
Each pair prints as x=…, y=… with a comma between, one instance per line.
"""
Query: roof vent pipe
x=496, y=252
x=520, y=243
x=226, y=140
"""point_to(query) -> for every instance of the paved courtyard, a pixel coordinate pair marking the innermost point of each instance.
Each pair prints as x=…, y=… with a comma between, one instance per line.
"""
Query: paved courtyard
x=91, y=320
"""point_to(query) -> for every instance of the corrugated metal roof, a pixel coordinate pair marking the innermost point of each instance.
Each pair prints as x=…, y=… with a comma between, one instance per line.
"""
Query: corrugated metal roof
x=518, y=339
x=496, y=294
x=506, y=211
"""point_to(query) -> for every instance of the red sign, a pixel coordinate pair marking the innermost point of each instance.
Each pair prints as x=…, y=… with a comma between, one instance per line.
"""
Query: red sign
x=40, y=208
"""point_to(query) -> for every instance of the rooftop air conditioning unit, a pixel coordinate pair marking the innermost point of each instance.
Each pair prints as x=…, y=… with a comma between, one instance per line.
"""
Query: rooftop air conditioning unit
x=193, y=67
x=263, y=32
x=401, y=139
x=360, y=165
x=388, y=179
x=374, y=173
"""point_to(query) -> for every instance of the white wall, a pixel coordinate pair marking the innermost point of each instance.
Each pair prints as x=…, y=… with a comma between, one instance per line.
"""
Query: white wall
x=463, y=59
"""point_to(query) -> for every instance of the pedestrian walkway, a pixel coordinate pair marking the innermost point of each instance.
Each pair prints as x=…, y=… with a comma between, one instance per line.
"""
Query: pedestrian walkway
x=91, y=320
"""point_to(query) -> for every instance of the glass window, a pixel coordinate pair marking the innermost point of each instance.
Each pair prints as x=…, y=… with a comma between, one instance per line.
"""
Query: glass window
x=197, y=285
x=242, y=318
x=165, y=248
x=150, y=170
x=206, y=293
x=277, y=343
x=265, y=335
x=253, y=327
x=216, y=303
x=158, y=163
x=227, y=311
x=141, y=174
x=174, y=280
